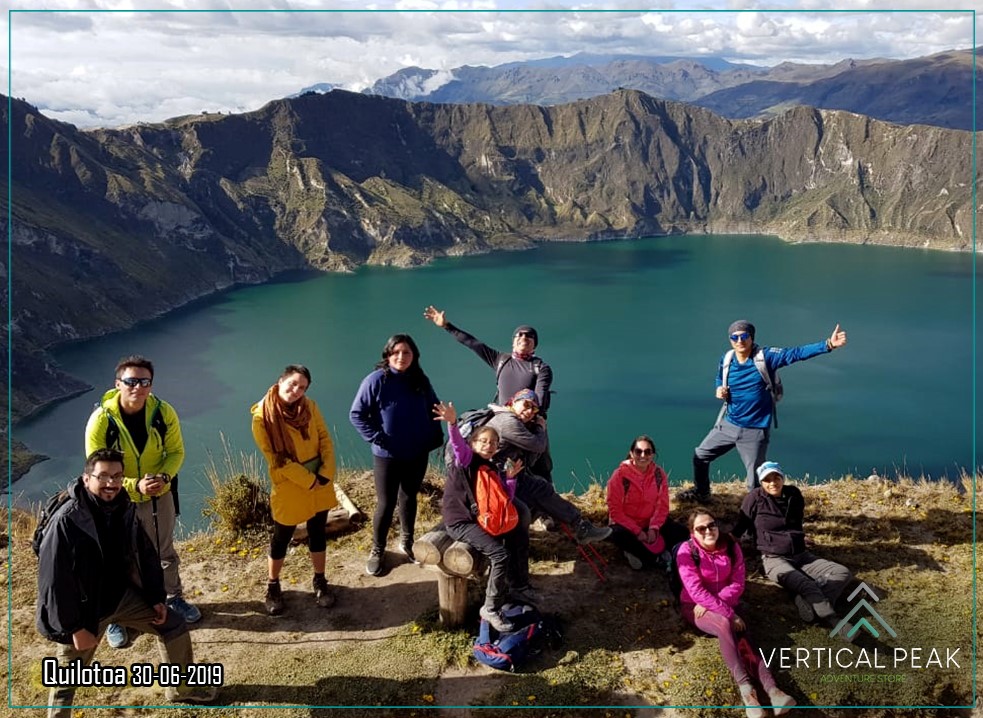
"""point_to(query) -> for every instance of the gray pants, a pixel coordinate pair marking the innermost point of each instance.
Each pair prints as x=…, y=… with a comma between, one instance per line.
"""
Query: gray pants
x=166, y=521
x=752, y=445
x=818, y=581
x=132, y=612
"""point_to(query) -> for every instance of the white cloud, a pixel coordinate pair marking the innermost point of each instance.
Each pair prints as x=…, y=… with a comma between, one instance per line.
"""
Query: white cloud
x=112, y=68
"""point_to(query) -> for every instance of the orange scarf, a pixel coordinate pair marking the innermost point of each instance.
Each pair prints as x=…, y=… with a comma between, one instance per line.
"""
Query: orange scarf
x=277, y=416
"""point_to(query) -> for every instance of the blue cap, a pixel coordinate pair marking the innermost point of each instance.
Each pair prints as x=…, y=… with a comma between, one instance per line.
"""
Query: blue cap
x=769, y=467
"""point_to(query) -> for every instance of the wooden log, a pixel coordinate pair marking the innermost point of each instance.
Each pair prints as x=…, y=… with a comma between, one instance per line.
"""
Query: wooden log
x=354, y=515
x=462, y=559
x=431, y=546
x=452, y=595
x=338, y=521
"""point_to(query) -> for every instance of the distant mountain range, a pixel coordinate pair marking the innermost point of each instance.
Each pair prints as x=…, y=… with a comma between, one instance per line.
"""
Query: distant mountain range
x=934, y=90
x=111, y=227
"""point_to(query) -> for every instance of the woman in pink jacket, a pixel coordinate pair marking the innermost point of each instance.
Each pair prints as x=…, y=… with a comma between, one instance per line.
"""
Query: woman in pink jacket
x=711, y=568
x=638, y=508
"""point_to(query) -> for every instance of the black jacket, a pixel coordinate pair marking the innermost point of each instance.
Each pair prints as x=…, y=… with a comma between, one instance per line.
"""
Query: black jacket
x=71, y=566
x=776, y=532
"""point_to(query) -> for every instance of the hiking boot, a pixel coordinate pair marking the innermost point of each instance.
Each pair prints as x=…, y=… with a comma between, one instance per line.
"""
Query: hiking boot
x=589, y=533
x=634, y=561
x=524, y=594
x=805, y=609
x=274, y=599
x=373, y=566
x=406, y=548
x=496, y=620
x=323, y=595
x=188, y=612
x=195, y=695
x=116, y=636
x=750, y=700
x=781, y=702
x=692, y=495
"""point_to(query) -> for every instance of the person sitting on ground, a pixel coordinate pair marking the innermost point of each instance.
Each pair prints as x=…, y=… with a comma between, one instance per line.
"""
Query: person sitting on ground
x=508, y=554
x=772, y=514
x=392, y=411
x=515, y=370
x=711, y=568
x=290, y=431
x=638, y=508
x=523, y=436
x=96, y=566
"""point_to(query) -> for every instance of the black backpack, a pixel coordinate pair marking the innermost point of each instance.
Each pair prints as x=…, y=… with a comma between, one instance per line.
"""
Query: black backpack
x=473, y=419
x=48, y=511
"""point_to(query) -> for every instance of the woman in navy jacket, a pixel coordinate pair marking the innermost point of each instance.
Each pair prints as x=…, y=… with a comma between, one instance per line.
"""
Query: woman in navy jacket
x=393, y=412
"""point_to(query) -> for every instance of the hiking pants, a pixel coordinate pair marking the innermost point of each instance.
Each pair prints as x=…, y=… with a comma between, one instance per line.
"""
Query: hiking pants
x=397, y=483
x=672, y=533
x=161, y=536
x=818, y=581
x=717, y=625
x=508, y=555
x=752, y=445
x=539, y=495
x=173, y=645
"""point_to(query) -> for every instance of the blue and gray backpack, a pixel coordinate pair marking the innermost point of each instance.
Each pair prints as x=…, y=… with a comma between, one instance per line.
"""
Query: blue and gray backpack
x=506, y=651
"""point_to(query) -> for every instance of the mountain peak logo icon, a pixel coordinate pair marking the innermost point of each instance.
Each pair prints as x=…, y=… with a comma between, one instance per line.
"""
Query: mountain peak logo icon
x=864, y=621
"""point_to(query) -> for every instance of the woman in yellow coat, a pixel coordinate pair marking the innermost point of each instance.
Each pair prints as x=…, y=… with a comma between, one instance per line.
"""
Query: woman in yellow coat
x=291, y=433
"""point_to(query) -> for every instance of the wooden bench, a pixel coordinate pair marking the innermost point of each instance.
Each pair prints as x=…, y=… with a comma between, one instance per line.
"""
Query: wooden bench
x=455, y=562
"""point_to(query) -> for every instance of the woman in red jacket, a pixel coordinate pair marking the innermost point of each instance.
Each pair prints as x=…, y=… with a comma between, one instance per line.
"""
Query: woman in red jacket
x=638, y=508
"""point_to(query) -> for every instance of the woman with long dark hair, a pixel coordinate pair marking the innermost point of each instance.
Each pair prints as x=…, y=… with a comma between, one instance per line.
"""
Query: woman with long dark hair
x=290, y=431
x=393, y=412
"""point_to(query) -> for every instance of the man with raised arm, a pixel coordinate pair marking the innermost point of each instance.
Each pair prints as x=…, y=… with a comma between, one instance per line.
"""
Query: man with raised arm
x=514, y=371
x=748, y=386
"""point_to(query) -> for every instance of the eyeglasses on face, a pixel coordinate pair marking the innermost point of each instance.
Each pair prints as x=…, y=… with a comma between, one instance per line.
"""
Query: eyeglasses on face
x=638, y=451
x=132, y=381
x=706, y=528
x=527, y=335
x=740, y=337
x=107, y=478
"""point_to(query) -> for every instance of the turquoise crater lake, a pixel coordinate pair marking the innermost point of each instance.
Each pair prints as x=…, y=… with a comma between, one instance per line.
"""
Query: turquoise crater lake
x=632, y=329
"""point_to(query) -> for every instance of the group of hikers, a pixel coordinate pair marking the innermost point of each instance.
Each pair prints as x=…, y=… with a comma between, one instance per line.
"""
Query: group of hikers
x=118, y=521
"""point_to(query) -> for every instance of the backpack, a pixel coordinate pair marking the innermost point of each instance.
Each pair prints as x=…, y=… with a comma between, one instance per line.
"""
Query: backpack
x=773, y=382
x=48, y=511
x=505, y=651
x=473, y=419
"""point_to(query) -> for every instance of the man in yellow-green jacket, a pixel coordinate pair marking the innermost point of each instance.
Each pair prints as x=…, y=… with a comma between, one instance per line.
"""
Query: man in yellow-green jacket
x=146, y=429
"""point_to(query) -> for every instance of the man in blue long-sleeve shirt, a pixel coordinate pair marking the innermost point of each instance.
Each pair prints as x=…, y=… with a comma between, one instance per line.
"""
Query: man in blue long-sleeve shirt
x=747, y=417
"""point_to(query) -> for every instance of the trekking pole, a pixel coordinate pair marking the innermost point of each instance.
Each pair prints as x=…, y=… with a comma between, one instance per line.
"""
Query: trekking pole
x=583, y=552
x=153, y=504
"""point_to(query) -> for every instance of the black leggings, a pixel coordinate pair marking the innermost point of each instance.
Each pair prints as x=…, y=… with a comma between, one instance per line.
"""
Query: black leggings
x=397, y=482
x=316, y=540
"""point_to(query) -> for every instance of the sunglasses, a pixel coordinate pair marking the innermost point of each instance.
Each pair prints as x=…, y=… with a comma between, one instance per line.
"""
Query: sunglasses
x=132, y=381
x=642, y=452
x=106, y=478
x=527, y=335
x=706, y=528
x=742, y=337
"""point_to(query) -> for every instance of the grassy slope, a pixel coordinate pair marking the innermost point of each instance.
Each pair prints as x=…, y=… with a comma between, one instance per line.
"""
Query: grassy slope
x=625, y=644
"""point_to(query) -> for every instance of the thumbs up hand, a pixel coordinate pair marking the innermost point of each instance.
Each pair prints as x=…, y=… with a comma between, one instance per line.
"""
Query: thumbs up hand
x=837, y=339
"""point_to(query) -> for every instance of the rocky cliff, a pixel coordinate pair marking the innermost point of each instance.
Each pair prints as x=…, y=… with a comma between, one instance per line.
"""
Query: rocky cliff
x=113, y=226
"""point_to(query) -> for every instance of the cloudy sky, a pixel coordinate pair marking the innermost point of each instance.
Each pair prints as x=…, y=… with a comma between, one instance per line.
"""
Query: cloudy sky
x=113, y=62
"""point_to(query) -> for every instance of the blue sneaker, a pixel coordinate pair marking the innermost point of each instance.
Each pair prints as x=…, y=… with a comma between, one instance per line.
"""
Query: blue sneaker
x=185, y=609
x=116, y=636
